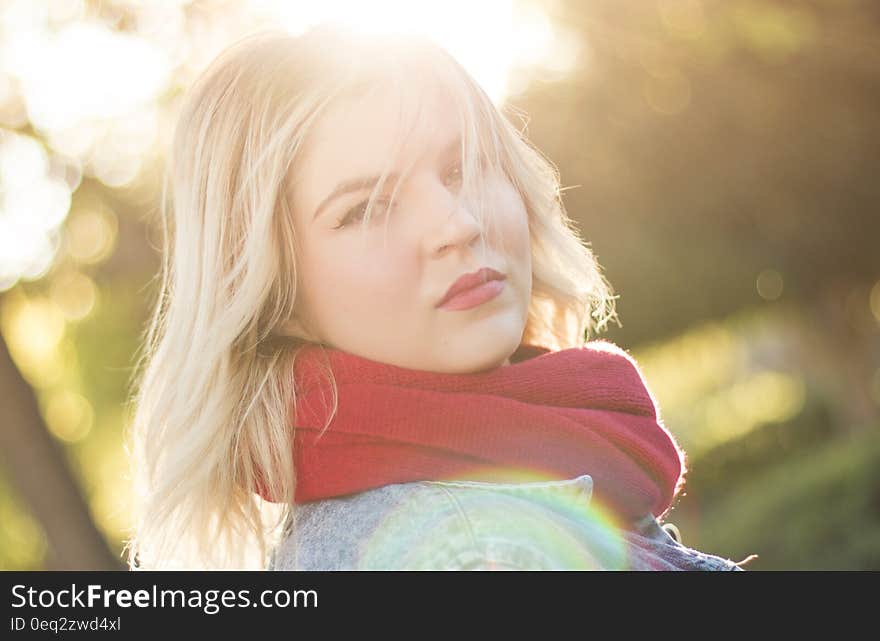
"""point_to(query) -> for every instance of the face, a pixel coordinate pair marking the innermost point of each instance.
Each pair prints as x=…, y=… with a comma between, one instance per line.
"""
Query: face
x=374, y=292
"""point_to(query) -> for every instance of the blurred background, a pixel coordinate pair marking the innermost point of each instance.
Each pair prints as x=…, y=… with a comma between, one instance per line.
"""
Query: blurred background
x=720, y=156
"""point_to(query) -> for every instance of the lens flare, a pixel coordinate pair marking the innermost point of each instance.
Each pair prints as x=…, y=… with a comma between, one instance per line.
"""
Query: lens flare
x=476, y=525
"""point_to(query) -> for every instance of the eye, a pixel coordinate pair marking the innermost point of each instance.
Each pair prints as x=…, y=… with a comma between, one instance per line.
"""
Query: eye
x=357, y=212
x=454, y=173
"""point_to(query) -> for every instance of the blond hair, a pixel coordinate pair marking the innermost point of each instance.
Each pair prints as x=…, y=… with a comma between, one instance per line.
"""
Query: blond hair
x=212, y=392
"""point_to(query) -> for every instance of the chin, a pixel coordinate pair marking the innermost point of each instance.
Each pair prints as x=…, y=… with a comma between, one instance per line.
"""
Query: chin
x=485, y=356
x=483, y=344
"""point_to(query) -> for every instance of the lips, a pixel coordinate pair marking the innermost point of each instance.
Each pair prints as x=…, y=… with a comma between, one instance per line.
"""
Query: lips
x=469, y=281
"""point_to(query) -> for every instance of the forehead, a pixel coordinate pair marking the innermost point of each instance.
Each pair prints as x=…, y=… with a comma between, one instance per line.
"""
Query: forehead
x=366, y=135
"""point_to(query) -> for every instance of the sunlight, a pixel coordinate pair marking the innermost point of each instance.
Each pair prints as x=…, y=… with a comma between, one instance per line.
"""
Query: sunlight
x=489, y=38
x=33, y=206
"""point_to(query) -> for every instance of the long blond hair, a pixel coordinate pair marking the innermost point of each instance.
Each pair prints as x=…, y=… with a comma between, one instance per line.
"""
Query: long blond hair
x=212, y=391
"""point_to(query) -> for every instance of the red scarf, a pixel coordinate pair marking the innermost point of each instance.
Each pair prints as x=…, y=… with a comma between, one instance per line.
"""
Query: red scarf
x=548, y=414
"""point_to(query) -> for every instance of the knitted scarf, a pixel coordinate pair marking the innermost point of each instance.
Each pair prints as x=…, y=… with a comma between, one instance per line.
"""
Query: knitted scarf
x=547, y=415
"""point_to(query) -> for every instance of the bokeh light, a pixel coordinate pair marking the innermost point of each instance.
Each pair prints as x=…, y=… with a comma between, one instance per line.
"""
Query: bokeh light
x=769, y=284
x=32, y=208
x=69, y=415
x=91, y=234
x=84, y=72
x=34, y=329
x=75, y=294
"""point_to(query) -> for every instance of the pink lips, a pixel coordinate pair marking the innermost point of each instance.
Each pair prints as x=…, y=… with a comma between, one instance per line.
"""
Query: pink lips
x=473, y=289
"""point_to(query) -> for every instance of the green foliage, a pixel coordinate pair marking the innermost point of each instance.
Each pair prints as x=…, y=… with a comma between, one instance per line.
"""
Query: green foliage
x=812, y=507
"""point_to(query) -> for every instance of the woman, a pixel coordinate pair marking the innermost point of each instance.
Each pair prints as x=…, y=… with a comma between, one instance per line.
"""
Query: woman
x=369, y=349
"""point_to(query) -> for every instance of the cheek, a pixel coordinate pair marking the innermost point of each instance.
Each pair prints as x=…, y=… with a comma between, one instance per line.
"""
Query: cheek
x=515, y=229
x=522, y=234
x=358, y=277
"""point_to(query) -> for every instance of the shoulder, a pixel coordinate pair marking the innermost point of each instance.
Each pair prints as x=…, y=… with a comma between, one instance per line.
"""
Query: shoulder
x=445, y=525
x=449, y=525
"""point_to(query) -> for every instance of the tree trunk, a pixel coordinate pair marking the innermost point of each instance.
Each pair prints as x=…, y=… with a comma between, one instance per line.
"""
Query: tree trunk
x=39, y=471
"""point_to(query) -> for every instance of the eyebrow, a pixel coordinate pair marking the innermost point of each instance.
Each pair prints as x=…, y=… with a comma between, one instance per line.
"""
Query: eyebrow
x=368, y=182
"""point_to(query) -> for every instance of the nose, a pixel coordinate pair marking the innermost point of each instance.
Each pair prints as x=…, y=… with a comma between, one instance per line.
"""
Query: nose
x=458, y=229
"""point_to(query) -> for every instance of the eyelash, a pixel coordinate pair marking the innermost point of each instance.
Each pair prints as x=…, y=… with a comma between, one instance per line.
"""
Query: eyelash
x=362, y=206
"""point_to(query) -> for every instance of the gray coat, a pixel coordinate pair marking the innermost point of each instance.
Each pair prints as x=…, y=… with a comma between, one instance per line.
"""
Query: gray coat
x=470, y=525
